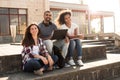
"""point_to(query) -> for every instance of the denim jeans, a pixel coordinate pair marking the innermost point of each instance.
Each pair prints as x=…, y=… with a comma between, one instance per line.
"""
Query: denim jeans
x=34, y=64
x=49, y=45
x=63, y=46
x=75, y=43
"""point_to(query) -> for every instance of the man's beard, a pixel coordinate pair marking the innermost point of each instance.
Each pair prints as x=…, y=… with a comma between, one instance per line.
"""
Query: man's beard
x=48, y=20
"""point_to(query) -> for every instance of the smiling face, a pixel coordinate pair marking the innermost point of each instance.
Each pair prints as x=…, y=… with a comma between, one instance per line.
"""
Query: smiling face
x=67, y=19
x=47, y=16
x=34, y=30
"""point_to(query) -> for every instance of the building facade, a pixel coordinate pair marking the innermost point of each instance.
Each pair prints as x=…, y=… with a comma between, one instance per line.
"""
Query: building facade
x=19, y=13
x=79, y=13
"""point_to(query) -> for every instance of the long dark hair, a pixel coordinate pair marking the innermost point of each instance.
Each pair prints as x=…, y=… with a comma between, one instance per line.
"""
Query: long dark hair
x=28, y=39
x=60, y=18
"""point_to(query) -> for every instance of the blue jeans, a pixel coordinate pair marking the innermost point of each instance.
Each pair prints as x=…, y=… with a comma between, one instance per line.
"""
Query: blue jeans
x=74, y=43
x=35, y=64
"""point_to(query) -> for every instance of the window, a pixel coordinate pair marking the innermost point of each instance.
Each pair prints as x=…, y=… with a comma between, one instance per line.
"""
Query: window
x=14, y=21
x=22, y=24
x=3, y=11
x=4, y=23
x=13, y=11
x=22, y=11
x=17, y=17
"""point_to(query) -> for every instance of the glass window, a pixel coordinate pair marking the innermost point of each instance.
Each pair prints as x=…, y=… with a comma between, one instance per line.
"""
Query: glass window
x=14, y=21
x=13, y=11
x=4, y=25
x=12, y=17
x=22, y=23
x=3, y=11
x=22, y=11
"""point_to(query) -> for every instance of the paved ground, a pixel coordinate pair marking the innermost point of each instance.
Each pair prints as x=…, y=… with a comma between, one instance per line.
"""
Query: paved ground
x=117, y=78
x=7, y=49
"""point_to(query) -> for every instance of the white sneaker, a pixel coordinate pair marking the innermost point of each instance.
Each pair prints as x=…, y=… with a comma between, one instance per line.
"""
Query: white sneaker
x=67, y=65
x=80, y=63
x=71, y=62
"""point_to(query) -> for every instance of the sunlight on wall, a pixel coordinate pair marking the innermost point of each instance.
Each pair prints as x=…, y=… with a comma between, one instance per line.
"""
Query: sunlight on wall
x=108, y=23
x=102, y=5
x=107, y=5
x=68, y=1
x=95, y=25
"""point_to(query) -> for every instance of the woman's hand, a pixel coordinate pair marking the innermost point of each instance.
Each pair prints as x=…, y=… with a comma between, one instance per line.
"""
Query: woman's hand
x=81, y=36
x=45, y=61
x=50, y=60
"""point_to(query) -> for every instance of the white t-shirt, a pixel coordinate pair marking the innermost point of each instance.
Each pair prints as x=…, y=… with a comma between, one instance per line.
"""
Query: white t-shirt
x=36, y=50
x=71, y=29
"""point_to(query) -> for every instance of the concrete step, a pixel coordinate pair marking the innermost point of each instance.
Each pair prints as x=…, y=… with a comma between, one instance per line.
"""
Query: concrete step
x=106, y=41
x=110, y=46
x=105, y=69
x=10, y=56
x=113, y=51
x=93, y=52
x=98, y=42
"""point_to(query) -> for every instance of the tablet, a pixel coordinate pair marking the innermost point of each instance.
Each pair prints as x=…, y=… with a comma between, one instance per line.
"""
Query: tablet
x=59, y=34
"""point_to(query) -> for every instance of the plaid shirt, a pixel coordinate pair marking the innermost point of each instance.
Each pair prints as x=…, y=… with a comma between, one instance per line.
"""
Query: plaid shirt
x=27, y=51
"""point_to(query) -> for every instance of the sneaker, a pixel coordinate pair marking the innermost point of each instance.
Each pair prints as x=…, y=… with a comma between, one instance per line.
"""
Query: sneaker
x=67, y=65
x=71, y=62
x=38, y=72
x=80, y=63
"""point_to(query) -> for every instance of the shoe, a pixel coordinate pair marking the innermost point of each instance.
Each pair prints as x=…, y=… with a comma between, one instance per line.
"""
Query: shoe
x=50, y=68
x=38, y=72
x=67, y=65
x=80, y=63
x=71, y=62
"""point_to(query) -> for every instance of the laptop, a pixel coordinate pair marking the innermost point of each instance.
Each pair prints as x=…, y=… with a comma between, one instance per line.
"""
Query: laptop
x=59, y=34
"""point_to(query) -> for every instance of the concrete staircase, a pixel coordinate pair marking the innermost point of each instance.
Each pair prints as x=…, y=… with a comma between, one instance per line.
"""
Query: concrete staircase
x=98, y=64
x=110, y=45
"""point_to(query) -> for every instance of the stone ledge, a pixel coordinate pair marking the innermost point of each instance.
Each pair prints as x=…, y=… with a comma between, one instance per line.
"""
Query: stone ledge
x=12, y=63
x=93, y=52
x=98, y=70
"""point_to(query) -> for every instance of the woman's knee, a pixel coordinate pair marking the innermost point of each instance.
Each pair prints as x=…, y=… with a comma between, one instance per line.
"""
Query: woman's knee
x=32, y=65
x=78, y=41
x=72, y=43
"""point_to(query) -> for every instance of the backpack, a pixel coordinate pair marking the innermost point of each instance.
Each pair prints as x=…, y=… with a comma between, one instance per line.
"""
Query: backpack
x=61, y=60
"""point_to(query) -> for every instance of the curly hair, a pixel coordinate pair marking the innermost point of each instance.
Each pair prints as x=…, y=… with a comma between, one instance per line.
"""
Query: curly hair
x=28, y=39
x=60, y=18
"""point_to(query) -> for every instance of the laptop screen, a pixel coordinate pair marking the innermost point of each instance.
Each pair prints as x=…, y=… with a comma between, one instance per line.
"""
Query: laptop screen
x=59, y=34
